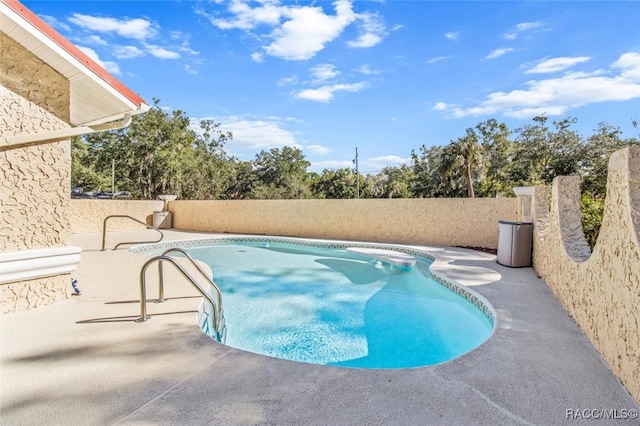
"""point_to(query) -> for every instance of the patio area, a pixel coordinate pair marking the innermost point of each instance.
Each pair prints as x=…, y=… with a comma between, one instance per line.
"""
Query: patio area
x=85, y=361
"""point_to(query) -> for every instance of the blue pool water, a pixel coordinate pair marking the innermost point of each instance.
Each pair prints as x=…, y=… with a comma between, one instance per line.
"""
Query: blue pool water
x=332, y=307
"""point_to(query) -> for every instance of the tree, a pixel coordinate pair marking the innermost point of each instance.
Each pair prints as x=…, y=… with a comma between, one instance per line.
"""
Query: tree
x=468, y=152
x=542, y=154
x=497, y=150
x=334, y=184
x=158, y=153
x=83, y=170
x=281, y=174
x=393, y=182
x=435, y=173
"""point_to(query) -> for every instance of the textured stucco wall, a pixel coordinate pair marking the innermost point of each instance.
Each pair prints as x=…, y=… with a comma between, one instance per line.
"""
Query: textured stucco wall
x=88, y=215
x=34, y=179
x=600, y=290
x=453, y=221
x=34, y=293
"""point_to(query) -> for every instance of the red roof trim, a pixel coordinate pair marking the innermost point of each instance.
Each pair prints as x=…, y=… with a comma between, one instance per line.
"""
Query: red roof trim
x=66, y=45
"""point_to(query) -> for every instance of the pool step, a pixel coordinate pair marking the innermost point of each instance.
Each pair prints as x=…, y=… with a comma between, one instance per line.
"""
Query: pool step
x=395, y=258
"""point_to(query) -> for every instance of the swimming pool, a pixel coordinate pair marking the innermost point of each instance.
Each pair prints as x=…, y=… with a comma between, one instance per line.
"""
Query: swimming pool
x=318, y=303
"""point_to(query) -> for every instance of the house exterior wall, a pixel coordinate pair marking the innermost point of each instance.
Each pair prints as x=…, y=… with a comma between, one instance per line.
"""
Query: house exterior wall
x=34, y=179
x=599, y=289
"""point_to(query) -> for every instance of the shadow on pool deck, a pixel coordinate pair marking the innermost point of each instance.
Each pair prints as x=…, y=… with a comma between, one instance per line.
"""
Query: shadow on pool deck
x=85, y=361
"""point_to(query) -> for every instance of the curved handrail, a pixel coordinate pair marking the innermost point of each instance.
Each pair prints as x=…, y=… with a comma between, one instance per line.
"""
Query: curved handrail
x=161, y=298
x=104, y=231
x=143, y=288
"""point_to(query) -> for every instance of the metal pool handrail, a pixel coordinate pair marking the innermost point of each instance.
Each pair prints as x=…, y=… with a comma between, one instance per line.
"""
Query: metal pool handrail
x=104, y=231
x=217, y=307
x=202, y=272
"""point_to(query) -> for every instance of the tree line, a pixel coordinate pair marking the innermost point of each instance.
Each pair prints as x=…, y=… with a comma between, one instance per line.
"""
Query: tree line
x=160, y=153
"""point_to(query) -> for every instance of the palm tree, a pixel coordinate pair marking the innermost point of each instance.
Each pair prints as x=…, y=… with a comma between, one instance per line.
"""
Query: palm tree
x=469, y=153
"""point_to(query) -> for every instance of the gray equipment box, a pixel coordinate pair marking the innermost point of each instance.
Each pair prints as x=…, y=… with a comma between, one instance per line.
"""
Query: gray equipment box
x=514, y=244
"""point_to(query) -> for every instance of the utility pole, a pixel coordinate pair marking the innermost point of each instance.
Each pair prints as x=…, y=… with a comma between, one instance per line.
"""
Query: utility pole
x=357, y=175
x=113, y=179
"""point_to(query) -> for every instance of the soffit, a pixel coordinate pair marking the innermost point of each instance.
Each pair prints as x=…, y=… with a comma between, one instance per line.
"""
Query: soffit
x=96, y=96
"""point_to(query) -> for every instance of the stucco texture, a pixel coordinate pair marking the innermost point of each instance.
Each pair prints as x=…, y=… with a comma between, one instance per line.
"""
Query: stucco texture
x=600, y=290
x=452, y=221
x=34, y=293
x=88, y=215
x=34, y=179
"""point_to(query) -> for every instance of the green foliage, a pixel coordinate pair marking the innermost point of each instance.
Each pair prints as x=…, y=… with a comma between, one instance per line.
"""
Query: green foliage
x=281, y=174
x=162, y=152
x=592, y=209
x=334, y=183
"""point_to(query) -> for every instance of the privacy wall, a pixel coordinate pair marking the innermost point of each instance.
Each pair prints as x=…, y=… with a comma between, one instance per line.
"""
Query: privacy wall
x=441, y=221
x=600, y=290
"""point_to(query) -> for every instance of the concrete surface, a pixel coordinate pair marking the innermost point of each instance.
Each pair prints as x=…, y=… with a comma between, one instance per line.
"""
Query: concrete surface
x=86, y=362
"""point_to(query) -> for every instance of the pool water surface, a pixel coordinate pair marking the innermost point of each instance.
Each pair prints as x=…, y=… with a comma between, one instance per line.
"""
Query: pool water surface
x=331, y=307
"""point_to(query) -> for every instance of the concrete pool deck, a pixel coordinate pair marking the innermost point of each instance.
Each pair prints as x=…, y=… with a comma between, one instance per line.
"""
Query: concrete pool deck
x=84, y=361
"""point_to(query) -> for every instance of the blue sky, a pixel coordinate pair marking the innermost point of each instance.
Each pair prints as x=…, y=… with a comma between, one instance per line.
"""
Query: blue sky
x=383, y=76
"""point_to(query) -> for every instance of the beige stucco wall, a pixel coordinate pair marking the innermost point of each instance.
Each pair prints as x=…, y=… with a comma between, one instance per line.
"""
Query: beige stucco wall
x=34, y=179
x=88, y=216
x=452, y=221
x=600, y=290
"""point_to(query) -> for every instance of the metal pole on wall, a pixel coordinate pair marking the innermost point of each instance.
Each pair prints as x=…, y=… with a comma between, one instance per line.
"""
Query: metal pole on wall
x=113, y=178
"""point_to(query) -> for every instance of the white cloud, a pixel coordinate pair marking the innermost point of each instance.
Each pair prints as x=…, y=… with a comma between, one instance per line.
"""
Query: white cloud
x=139, y=29
x=161, y=53
x=365, y=40
x=325, y=93
x=317, y=149
x=287, y=81
x=554, y=96
x=307, y=31
x=190, y=70
x=94, y=39
x=298, y=32
x=525, y=26
x=247, y=18
x=557, y=64
x=437, y=59
x=55, y=23
x=111, y=67
x=629, y=63
x=366, y=70
x=372, y=29
x=257, y=134
x=522, y=27
x=454, y=35
x=389, y=159
x=257, y=57
x=127, y=52
x=324, y=72
x=499, y=52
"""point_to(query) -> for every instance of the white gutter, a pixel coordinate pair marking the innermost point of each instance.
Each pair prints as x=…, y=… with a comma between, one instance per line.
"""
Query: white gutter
x=61, y=134
x=39, y=263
